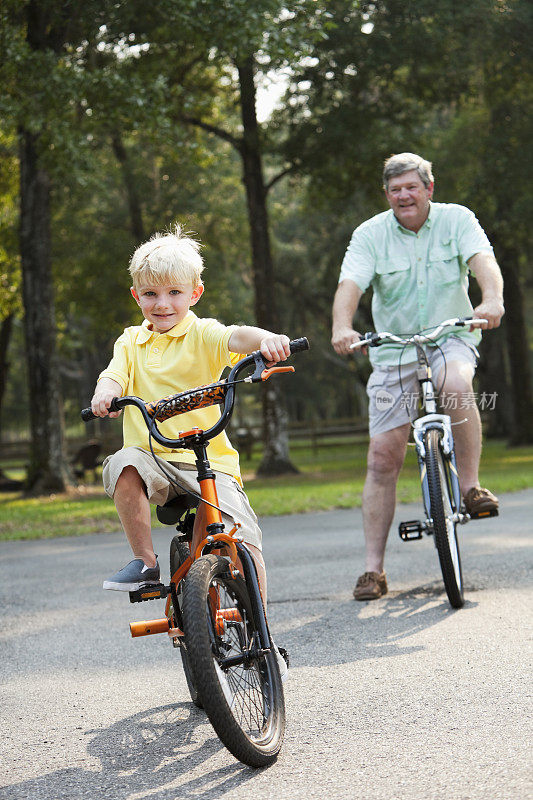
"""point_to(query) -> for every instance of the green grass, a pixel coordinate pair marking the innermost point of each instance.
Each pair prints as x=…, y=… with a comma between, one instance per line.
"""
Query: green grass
x=331, y=477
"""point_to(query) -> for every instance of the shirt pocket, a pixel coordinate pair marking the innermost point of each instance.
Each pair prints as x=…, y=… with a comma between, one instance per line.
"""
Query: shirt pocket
x=444, y=263
x=393, y=276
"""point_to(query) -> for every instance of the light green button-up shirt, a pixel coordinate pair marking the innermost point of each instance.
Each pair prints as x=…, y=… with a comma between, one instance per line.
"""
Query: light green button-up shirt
x=418, y=279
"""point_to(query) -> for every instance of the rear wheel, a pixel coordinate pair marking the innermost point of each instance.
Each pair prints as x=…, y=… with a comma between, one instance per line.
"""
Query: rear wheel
x=179, y=552
x=240, y=686
x=442, y=514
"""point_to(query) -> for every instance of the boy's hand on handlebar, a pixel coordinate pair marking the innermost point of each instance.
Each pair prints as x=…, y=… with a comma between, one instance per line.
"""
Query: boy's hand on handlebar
x=104, y=393
x=275, y=347
x=492, y=310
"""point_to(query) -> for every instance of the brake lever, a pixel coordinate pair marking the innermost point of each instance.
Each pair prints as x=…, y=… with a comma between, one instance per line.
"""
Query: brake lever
x=271, y=370
x=260, y=367
x=373, y=340
x=262, y=372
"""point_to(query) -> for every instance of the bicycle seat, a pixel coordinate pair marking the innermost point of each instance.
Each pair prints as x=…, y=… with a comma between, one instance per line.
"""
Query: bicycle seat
x=172, y=511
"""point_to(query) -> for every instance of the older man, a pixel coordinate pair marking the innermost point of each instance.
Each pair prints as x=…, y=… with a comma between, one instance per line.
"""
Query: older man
x=416, y=257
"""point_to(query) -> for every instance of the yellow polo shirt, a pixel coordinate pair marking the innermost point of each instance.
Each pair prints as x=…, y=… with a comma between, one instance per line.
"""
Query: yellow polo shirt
x=152, y=365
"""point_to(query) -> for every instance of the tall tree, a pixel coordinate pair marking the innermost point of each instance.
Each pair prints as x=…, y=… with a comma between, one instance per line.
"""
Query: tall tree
x=238, y=40
x=47, y=471
x=449, y=80
x=41, y=86
x=483, y=143
x=10, y=305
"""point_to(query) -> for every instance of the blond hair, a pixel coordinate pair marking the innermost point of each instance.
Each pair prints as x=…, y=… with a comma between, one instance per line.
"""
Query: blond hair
x=171, y=257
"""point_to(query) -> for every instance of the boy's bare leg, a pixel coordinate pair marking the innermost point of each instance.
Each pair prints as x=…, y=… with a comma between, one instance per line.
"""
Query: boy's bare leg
x=386, y=453
x=199, y=534
x=134, y=511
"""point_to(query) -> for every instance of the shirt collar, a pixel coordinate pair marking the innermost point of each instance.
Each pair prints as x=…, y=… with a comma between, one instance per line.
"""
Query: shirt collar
x=145, y=333
x=427, y=222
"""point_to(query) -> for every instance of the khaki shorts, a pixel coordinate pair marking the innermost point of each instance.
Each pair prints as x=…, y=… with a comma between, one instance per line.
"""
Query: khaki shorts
x=231, y=496
x=393, y=402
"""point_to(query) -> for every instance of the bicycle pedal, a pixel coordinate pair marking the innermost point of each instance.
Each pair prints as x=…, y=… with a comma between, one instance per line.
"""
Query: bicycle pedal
x=485, y=514
x=157, y=591
x=411, y=530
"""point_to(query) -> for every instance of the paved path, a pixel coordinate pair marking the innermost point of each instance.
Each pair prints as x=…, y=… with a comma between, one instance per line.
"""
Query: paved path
x=401, y=699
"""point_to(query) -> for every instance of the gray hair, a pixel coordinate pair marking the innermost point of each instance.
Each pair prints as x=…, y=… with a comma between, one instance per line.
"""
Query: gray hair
x=405, y=162
x=167, y=257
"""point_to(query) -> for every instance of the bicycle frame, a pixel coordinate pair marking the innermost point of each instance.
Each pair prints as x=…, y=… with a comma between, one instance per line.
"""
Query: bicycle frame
x=216, y=538
x=431, y=419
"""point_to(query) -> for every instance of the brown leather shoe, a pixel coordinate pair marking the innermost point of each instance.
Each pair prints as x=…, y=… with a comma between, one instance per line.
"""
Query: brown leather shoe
x=370, y=586
x=481, y=503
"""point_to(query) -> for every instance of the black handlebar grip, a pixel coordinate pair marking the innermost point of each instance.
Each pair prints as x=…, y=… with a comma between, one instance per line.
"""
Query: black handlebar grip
x=298, y=345
x=87, y=415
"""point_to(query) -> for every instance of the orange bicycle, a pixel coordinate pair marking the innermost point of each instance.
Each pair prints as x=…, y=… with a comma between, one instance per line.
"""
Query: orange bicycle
x=214, y=610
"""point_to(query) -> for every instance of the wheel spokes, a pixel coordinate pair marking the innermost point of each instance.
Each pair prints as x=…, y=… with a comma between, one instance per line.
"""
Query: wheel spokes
x=244, y=684
x=450, y=524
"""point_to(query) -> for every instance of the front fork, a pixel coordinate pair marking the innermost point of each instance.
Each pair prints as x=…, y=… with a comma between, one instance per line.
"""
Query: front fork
x=442, y=423
x=252, y=582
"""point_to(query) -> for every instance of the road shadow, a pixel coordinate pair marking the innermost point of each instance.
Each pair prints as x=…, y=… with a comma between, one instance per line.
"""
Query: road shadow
x=149, y=752
x=341, y=630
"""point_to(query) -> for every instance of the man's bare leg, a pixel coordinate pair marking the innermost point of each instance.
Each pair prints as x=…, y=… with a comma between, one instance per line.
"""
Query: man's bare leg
x=467, y=430
x=134, y=511
x=386, y=454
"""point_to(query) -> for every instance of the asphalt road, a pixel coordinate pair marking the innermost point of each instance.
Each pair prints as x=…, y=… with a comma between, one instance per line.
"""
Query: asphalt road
x=400, y=699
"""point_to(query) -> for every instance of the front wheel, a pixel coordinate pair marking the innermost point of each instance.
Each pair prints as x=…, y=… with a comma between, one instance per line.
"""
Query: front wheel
x=442, y=513
x=240, y=685
x=179, y=552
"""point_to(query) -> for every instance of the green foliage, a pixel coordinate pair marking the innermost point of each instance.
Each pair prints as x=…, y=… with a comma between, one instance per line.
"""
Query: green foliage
x=9, y=254
x=366, y=79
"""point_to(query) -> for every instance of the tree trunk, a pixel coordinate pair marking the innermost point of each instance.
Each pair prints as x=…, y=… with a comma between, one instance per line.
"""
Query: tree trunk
x=134, y=205
x=494, y=382
x=518, y=349
x=276, y=459
x=5, y=336
x=48, y=469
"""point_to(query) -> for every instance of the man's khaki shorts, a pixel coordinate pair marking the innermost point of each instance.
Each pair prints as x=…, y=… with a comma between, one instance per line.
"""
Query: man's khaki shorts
x=232, y=497
x=393, y=393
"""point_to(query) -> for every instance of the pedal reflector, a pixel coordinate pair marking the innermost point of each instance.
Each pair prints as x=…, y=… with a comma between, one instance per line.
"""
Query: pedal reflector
x=149, y=593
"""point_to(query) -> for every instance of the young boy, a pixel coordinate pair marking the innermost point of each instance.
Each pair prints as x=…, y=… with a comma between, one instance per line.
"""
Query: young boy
x=173, y=350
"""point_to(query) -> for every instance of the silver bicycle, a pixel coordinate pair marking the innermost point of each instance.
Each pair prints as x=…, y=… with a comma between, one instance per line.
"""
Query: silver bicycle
x=433, y=440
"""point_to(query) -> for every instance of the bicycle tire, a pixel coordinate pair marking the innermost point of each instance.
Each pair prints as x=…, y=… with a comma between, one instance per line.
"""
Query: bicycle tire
x=244, y=702
x=179, y=552
x=441, y=512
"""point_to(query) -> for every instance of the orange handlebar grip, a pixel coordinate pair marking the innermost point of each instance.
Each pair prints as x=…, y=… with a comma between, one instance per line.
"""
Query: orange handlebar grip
x=265, y=375
x=149, y=626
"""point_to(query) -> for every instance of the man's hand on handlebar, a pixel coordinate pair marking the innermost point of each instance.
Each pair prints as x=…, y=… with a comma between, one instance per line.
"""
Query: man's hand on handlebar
x=106, y=390
x=342, y=340
x=491, y=310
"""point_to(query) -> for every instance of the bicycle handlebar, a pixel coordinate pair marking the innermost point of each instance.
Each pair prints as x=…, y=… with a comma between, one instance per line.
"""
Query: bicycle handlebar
x=372, y=339
x=201, y=397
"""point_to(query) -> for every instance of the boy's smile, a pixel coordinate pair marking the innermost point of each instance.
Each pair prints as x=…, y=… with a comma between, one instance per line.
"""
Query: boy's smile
x=166, y=306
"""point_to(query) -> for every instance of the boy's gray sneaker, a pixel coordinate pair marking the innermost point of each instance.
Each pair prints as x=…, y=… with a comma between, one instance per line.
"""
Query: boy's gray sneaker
x=133, y=576
x=282, y=657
